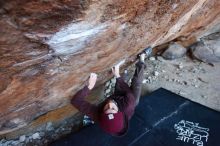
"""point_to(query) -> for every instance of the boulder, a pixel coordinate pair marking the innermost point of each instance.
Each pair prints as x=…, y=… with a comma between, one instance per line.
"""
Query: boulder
x=208, y=49
x=174, y=51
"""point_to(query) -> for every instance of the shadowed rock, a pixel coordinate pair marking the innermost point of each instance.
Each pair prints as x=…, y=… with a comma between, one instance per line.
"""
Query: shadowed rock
x=208, y=49
x=174, y=51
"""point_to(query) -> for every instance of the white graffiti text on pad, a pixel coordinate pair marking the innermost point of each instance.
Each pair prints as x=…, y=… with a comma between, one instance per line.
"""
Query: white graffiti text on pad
x=191, y=132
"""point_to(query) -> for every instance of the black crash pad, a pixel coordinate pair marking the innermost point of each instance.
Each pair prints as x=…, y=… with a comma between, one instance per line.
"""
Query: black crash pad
x=161, y=119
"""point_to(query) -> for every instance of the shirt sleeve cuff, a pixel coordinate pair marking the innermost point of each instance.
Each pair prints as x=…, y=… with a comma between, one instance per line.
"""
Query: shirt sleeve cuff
x=86, y=89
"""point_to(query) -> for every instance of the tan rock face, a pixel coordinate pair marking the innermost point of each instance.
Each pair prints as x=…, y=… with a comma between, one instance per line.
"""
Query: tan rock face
x=48, y=48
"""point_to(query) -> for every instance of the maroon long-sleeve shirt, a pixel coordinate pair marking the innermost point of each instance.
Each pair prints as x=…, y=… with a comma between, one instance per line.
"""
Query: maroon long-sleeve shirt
x=123, y=96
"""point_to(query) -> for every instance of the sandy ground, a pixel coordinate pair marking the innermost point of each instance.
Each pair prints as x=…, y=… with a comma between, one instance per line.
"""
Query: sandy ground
x=192, y=79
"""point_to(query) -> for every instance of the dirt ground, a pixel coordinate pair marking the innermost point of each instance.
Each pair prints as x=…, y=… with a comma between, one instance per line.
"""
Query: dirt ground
x=192, y=79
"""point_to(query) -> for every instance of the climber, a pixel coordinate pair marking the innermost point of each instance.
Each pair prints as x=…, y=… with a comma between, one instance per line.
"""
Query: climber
x=114, y=113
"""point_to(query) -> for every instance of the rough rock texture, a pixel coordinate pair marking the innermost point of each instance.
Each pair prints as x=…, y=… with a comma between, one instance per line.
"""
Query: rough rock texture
x=174, y=51
x=49, y=47
x=208, y=49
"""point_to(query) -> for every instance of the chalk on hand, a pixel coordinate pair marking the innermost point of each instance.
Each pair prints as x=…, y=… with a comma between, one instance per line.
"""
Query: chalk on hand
x=93, y=75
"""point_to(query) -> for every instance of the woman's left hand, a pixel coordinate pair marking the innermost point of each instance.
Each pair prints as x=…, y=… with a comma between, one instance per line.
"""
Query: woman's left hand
x=92, y=80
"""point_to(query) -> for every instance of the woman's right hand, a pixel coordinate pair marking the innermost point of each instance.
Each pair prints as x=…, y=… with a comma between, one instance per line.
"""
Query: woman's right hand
x=116, y=69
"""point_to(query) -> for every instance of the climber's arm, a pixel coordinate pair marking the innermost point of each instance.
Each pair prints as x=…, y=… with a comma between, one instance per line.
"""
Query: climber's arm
x=81, y=104
x=121, y=86
x=124, y=90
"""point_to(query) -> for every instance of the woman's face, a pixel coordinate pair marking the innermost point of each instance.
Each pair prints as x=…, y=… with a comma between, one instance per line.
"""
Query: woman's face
x=110, y=107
